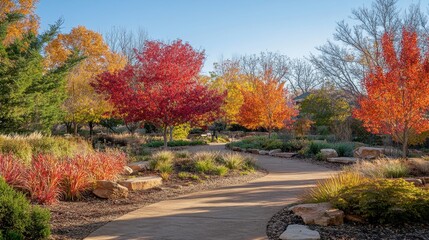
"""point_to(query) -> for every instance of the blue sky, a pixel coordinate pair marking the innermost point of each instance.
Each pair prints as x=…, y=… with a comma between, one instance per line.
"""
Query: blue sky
x=223, y=28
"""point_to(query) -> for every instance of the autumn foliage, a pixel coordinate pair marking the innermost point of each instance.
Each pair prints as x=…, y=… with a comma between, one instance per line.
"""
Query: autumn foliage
x=162, y=88
x=397, y=100
x=266, y=105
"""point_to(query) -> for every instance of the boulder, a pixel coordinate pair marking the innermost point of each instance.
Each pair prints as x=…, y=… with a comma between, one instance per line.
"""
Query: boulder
x=141, y=183
x=329, y=153
x=417, y=182
x=342, y=160
x=128, y=170
x=110, y=190
x=319, y=213
x=274, y=151
x=139, y=166
x=284, y=154
x=368, y=152
x=264, y=152
x=252, y=150
x=299, y=232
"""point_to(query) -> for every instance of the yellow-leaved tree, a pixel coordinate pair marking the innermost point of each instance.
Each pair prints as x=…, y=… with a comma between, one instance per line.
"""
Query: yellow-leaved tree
x=228, y=78
x=83, y=104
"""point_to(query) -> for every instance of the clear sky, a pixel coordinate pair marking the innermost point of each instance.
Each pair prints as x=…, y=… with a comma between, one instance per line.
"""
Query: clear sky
x=223, y=28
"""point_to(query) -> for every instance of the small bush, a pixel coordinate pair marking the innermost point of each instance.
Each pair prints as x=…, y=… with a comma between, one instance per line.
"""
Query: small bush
x=344, y=149
x=182, y=154
x=18, y=219
x=233, y=161
x=206, y=166
x=328, y=189
x=385, y=201
x=162, y=162
x=315, y=146
x=220, y=170
x=321, y=157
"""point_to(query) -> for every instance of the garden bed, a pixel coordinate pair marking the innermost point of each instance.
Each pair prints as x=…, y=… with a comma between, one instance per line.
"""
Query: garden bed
x=75, y=220
x=349, y=230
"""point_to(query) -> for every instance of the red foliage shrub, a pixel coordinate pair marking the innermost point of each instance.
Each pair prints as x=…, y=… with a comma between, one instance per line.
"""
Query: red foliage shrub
x=43, y=179
x=12, y=170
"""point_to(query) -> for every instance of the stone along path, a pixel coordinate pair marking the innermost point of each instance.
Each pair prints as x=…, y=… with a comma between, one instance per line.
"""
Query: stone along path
x=233, y=212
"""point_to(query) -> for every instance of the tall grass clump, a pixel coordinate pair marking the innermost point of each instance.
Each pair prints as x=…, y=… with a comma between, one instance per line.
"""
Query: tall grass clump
x=234, y=161
x=162, y=162
x=328, y=189
x=382, y=168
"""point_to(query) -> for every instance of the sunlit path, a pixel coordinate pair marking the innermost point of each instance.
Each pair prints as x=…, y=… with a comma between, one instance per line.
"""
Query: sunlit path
x=234, y=212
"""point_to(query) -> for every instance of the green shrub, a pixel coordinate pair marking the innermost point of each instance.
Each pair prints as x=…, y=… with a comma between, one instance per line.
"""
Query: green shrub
x=344, y=149
x=320, y=157
x=328, y=189
x=294, y=145
x=18, y=219
x=385, y=201
x=176, y=143
x=315, y=146
x=206, y=166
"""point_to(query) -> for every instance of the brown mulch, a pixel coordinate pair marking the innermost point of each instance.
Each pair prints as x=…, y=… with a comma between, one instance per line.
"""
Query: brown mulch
x=349, y=230
x=76, y=220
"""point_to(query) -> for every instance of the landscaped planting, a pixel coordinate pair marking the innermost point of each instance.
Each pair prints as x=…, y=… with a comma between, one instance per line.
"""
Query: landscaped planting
x=48, y=179
x=20, y=220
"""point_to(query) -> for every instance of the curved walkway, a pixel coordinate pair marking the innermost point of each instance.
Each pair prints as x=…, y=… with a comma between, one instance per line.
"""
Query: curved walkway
x=233, y=212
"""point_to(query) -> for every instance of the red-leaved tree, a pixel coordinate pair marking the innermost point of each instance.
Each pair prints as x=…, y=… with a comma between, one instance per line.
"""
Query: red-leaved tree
x=397, y=100
x=162, y=88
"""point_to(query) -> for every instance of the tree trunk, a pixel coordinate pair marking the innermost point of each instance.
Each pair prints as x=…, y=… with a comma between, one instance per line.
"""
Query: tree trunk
x=165, y=136
x=171, y=133
x=91, y=128
x=405, y=146
x=75, y=127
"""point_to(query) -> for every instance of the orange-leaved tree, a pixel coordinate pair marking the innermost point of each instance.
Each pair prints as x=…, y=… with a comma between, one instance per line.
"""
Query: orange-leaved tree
x=266, y=105
x=397, y=100
x=29, y=22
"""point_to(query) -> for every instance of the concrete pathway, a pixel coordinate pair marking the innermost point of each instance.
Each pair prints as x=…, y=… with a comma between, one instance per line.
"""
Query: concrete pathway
x=233, y=212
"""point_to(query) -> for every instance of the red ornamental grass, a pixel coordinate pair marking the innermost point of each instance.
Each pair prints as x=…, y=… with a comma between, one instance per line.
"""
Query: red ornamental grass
x=106, y=166
x=76, y=178
x=43, y=179
x=12, y=170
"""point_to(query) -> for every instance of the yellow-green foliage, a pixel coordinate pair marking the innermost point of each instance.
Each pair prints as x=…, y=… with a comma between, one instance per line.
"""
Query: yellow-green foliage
x=328, y=189
x=384, y=201
x=181, y=131
x=24, y=147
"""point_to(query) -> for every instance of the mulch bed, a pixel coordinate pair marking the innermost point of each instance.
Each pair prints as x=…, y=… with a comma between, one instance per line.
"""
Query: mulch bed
x=279, y=222
x=76, y=220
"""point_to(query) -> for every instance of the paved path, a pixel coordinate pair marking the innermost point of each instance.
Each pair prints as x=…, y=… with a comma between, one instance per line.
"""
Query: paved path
x=234, y=212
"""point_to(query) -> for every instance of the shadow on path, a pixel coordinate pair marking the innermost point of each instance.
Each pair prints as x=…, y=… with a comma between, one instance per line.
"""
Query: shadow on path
x=233, y=212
